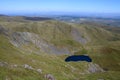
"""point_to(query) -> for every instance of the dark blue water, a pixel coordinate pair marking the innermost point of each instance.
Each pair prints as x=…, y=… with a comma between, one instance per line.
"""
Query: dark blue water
x=76, y=58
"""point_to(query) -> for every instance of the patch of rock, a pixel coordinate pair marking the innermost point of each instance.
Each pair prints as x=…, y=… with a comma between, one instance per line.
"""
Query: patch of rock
x=39, y=71
x=77, y=36
x=94, y=68
x=27, y=66
x=3, y=31
x=3, y=64
x=49, y=77
x=25, y=38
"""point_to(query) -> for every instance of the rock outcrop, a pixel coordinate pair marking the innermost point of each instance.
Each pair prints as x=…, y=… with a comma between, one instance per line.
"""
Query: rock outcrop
x=77, y=36
x=94, y=68
x=49, y=77
x=39, y=71
x=21, y=38
x=3, y=31
x=3, y=64
x=27, y=66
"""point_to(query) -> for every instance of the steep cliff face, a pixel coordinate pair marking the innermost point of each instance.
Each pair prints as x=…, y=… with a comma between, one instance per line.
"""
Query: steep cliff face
x=19, y=39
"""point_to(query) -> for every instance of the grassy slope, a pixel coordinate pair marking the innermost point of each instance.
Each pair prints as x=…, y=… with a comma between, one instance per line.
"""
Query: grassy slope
x=98, y=49
x=48, y=63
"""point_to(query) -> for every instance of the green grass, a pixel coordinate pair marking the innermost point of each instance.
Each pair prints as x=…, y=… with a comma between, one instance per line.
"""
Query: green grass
x=54, y=65
x=99, y=47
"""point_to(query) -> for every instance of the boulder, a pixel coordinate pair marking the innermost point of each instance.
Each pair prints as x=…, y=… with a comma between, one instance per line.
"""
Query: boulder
x=14, y=66
x=49, y=77
x=39, y=71
x=27, y=66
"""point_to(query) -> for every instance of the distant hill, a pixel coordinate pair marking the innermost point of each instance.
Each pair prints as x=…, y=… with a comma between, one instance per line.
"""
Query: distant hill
x=3, y=15
x=22, y=18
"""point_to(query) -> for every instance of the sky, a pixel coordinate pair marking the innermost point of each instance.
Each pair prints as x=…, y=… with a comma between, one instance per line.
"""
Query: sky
x=63, y=6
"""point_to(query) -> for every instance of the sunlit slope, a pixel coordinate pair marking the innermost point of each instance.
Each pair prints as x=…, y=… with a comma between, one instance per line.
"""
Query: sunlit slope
x=31, y=43
x=52, y=64
x=61, y=33
x=49, y=64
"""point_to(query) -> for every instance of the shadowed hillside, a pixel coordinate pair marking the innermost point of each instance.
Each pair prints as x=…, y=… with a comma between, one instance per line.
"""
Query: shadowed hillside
x=22, y=18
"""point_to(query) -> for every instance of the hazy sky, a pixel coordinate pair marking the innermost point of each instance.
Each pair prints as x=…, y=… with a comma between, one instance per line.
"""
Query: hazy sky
x=36, y=6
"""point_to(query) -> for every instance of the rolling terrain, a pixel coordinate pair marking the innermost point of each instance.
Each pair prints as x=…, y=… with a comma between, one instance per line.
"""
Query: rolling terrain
x=34, y=48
